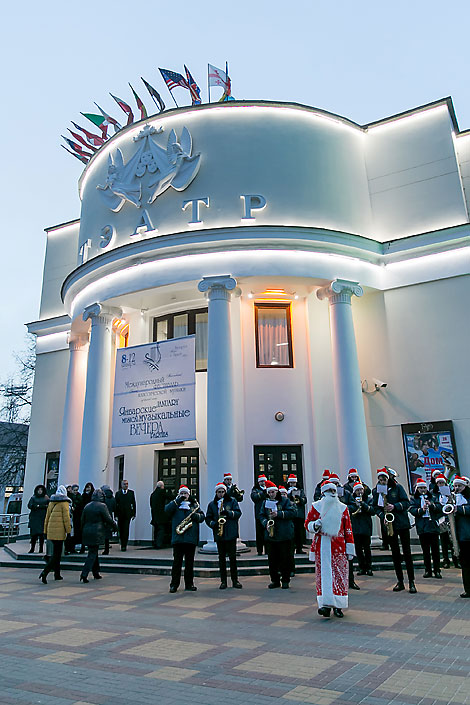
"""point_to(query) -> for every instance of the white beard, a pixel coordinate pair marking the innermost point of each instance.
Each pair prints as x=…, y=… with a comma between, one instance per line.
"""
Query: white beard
x=331, y=511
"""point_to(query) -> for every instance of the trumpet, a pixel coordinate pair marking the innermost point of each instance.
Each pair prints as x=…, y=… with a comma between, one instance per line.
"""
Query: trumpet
x=270, y=528
x=237, y=493
x=389, y=518
x=187, y=522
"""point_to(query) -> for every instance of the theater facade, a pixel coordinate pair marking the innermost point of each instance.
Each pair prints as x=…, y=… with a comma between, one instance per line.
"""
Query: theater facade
x=315, y=260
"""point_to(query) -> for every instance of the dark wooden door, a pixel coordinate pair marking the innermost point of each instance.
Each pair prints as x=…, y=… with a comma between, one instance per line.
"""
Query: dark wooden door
x=179, y=467
x=277, y=462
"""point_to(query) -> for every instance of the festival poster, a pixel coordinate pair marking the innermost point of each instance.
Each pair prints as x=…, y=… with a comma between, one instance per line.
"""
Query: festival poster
x=428, y=447
x=154, y=393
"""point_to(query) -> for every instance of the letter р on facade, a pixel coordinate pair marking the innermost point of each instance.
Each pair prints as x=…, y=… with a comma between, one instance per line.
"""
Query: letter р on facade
x=295, y=294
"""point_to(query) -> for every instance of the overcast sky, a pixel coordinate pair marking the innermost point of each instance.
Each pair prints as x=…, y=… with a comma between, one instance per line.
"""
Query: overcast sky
x=362, y=61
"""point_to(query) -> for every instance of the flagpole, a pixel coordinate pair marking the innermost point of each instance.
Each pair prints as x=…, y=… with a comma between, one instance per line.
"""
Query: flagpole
x=208, y=83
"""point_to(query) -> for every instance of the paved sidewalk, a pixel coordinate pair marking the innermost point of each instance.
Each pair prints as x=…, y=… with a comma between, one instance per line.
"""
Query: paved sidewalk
x=125, y=640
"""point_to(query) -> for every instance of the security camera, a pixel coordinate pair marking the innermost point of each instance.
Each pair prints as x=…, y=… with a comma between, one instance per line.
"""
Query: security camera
x=379, y=384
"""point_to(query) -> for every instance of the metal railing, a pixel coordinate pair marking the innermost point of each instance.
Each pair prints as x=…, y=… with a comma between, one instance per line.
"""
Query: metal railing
x=13, y=526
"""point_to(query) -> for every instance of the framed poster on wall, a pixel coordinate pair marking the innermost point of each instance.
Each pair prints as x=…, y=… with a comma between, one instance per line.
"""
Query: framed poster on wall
x=429, y=446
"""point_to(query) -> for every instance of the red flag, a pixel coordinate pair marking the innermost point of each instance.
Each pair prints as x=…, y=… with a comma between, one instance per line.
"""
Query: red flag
x=85, y=160
x=126, y=108
x=93, y=139
x=82, y=140
x=140, y=105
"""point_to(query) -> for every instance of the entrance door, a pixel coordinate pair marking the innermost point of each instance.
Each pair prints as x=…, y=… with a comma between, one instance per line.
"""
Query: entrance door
x=179, y=467
x=277, y=462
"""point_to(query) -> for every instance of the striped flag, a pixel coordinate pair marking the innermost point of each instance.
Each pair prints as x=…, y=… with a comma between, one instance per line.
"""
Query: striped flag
x=76, y=147
x=82, y=140
x=140, y=105
x=83, y=159
x=156, y=97
x=110, y=119
x=99, y=121
x=173, y=79
x=193, y=88
x=126, y=108
x=91, y=137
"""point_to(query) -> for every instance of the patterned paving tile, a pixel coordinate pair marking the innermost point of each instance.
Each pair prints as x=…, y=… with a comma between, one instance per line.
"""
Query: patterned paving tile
x=374, y=618
x=197, y=614
x=305, y=667
x=74, y=637
x=145, y=631
x=170, y=673
x=127, y=596
x=274, y=608
x=61, y=591
x=362, y=657
x=457, y=627
x=451, y=689
x=120, y=608
x=290, y=623
x=400, y=636
x=61, y=657
x=186, y=602
x=424, y=613
x=244, y=644
x=317, y=696
x=7, y=625
x=169, y=649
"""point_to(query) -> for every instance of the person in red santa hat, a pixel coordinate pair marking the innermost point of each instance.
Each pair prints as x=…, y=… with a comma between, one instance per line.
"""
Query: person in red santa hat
x=258, y=495
x=232, y=489
x=276, y=515
x=317, y=492
x=332, y=547
x=184, y=539
x=427, y=510
x=462, y=529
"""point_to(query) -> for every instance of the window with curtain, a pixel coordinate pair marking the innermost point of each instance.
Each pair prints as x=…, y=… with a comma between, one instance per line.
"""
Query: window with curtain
x=176, y=325
x=273, y=335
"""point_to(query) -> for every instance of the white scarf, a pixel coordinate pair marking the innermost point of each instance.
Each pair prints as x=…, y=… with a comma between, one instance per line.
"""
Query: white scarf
x=331, y=511
x=185, y=504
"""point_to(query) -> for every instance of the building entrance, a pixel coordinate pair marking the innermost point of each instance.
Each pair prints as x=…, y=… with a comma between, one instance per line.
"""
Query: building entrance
x=179, y=467
x=277, y=462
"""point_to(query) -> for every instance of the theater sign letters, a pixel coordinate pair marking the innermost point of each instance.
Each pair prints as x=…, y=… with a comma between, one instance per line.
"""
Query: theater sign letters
x=154, y=393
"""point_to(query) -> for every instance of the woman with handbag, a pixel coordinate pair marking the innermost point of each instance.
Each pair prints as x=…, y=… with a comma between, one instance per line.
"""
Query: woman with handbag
x=56, y=527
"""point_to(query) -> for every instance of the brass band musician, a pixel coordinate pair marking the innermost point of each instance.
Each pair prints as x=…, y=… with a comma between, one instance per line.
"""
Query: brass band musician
x=276, y=515
x=231, y=487
x=186, y=516
x=462, y=526
x=427, y=510
x=299, y=500
x=222, y=517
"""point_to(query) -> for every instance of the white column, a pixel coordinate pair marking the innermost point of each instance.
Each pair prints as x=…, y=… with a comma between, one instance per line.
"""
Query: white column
x=350, y=418
x=96, y=415
x=221, y=445
x=73, y=410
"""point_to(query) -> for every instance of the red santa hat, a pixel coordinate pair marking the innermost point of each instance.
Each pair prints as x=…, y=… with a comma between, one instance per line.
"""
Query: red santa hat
x=467, y=479
x=326, y=474
x=357, y=484
x=440, y=476
x=421, y=483
x=227, y=475
x=262, y=478
x=333, y=476
x=382, y=471
x=220, y=486
x=270, y=485
x=459, y=480
x=292, y=478
x=327, y=485
x=436, y=472
x=352, y=472
x=282, y=489
x=183, y=488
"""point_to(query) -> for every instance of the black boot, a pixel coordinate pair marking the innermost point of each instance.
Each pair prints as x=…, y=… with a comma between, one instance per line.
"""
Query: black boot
x=324, y=611
x=412, y=587
x=338, y=612
x=399, y=586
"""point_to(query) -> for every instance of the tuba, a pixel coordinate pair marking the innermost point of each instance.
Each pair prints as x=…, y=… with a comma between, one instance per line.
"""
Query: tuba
x=187, y=521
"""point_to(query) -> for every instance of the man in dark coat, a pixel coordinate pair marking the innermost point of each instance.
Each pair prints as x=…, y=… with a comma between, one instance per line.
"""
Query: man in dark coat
x=361, y=513
x=317, y=492
x=278, y=535
x=462, y=528
x=76, y=513
x=184, y=544
x=159, y=517
x=299, y=500
x=353, y=477
x=222, y=517
x=110, y=501
x=427, y=510
x=258, y=495
x=95, y=519
x=125, y=512
x=38, y=506
x=395, y=502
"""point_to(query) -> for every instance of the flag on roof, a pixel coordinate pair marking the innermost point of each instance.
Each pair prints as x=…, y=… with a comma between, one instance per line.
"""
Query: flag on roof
x=217, y=77
x=110, y=119
x=91, y=137
x=125, y=107
x=82, y=140
x=99, y=121
x=76, y=147
x=156, y=97
x=83, y=159
x=173, y=79
x=193, y=88
x=140, y=105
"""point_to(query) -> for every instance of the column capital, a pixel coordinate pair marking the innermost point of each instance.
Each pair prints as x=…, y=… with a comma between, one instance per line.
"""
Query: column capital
x=100, y=314
x=77, y=341
x=339, y=291
x=218, y=287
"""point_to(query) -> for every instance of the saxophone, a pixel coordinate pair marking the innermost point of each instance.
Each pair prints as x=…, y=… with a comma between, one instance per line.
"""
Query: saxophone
x=221, y=521
x=449, y=511
x=187, y=521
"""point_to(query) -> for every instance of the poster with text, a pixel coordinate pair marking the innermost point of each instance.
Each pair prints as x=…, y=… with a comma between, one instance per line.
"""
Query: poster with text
x=154, y=393
x=428, y=447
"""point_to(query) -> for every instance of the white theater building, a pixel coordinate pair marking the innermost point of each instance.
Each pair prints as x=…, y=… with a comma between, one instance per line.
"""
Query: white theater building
x=308, y=254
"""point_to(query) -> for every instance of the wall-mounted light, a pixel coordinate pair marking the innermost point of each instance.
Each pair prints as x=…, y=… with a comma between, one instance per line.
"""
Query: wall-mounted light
x=376, y=386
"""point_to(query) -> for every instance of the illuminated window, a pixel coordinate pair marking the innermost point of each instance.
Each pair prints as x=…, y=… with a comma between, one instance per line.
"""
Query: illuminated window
x=273, y=335
x=177, y=325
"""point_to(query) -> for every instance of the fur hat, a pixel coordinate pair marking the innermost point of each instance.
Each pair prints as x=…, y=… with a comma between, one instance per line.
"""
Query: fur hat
x=327, y=485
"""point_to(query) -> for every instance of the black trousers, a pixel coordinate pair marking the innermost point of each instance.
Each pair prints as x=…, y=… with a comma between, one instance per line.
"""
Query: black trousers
x=180, y=551
x=404, y=536
x=363, y=554
x=259, y=537
x=299, y=534
x=228, y=548
x=447, y=548
x=159, y=535
x=53, y=562
x=465, y=564
x=34, y=539
x=279, y=560
x=430, y=545
x=384, y=534
x=123, y=526
x=91, y=562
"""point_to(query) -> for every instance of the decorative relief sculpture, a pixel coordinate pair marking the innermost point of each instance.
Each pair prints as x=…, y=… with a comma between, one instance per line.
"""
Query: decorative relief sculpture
x=173, y=166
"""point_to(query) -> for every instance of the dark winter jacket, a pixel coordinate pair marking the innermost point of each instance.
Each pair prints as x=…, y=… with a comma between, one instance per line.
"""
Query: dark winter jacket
x=462, y=518
x=38, y=506
x=349, y=485
x=362, y=522
x=110, y=502
x=86, y=497
x=96, y=520
x=283, y=522
x=231, y=513
x=300, y=507
x=125, y=504
x=177, y=515
x=258, y=495
x=397, y=496
x=157, y=506
x=317, y=493
x=235, y=492
x=425, y=525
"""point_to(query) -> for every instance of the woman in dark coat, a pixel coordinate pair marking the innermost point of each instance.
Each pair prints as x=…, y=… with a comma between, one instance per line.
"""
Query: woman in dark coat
x=110, y=502
x=226, y=533
x=86, y=498
x=184, y=545
x=38, y=506
x=427, y=510
x=95, y=518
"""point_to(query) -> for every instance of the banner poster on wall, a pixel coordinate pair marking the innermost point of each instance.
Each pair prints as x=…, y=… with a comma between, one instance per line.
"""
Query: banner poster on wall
x=154, y=393
x=428, y=447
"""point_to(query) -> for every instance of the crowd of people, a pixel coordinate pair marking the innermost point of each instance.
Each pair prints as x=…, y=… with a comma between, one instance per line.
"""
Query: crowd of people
x=340, y=520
